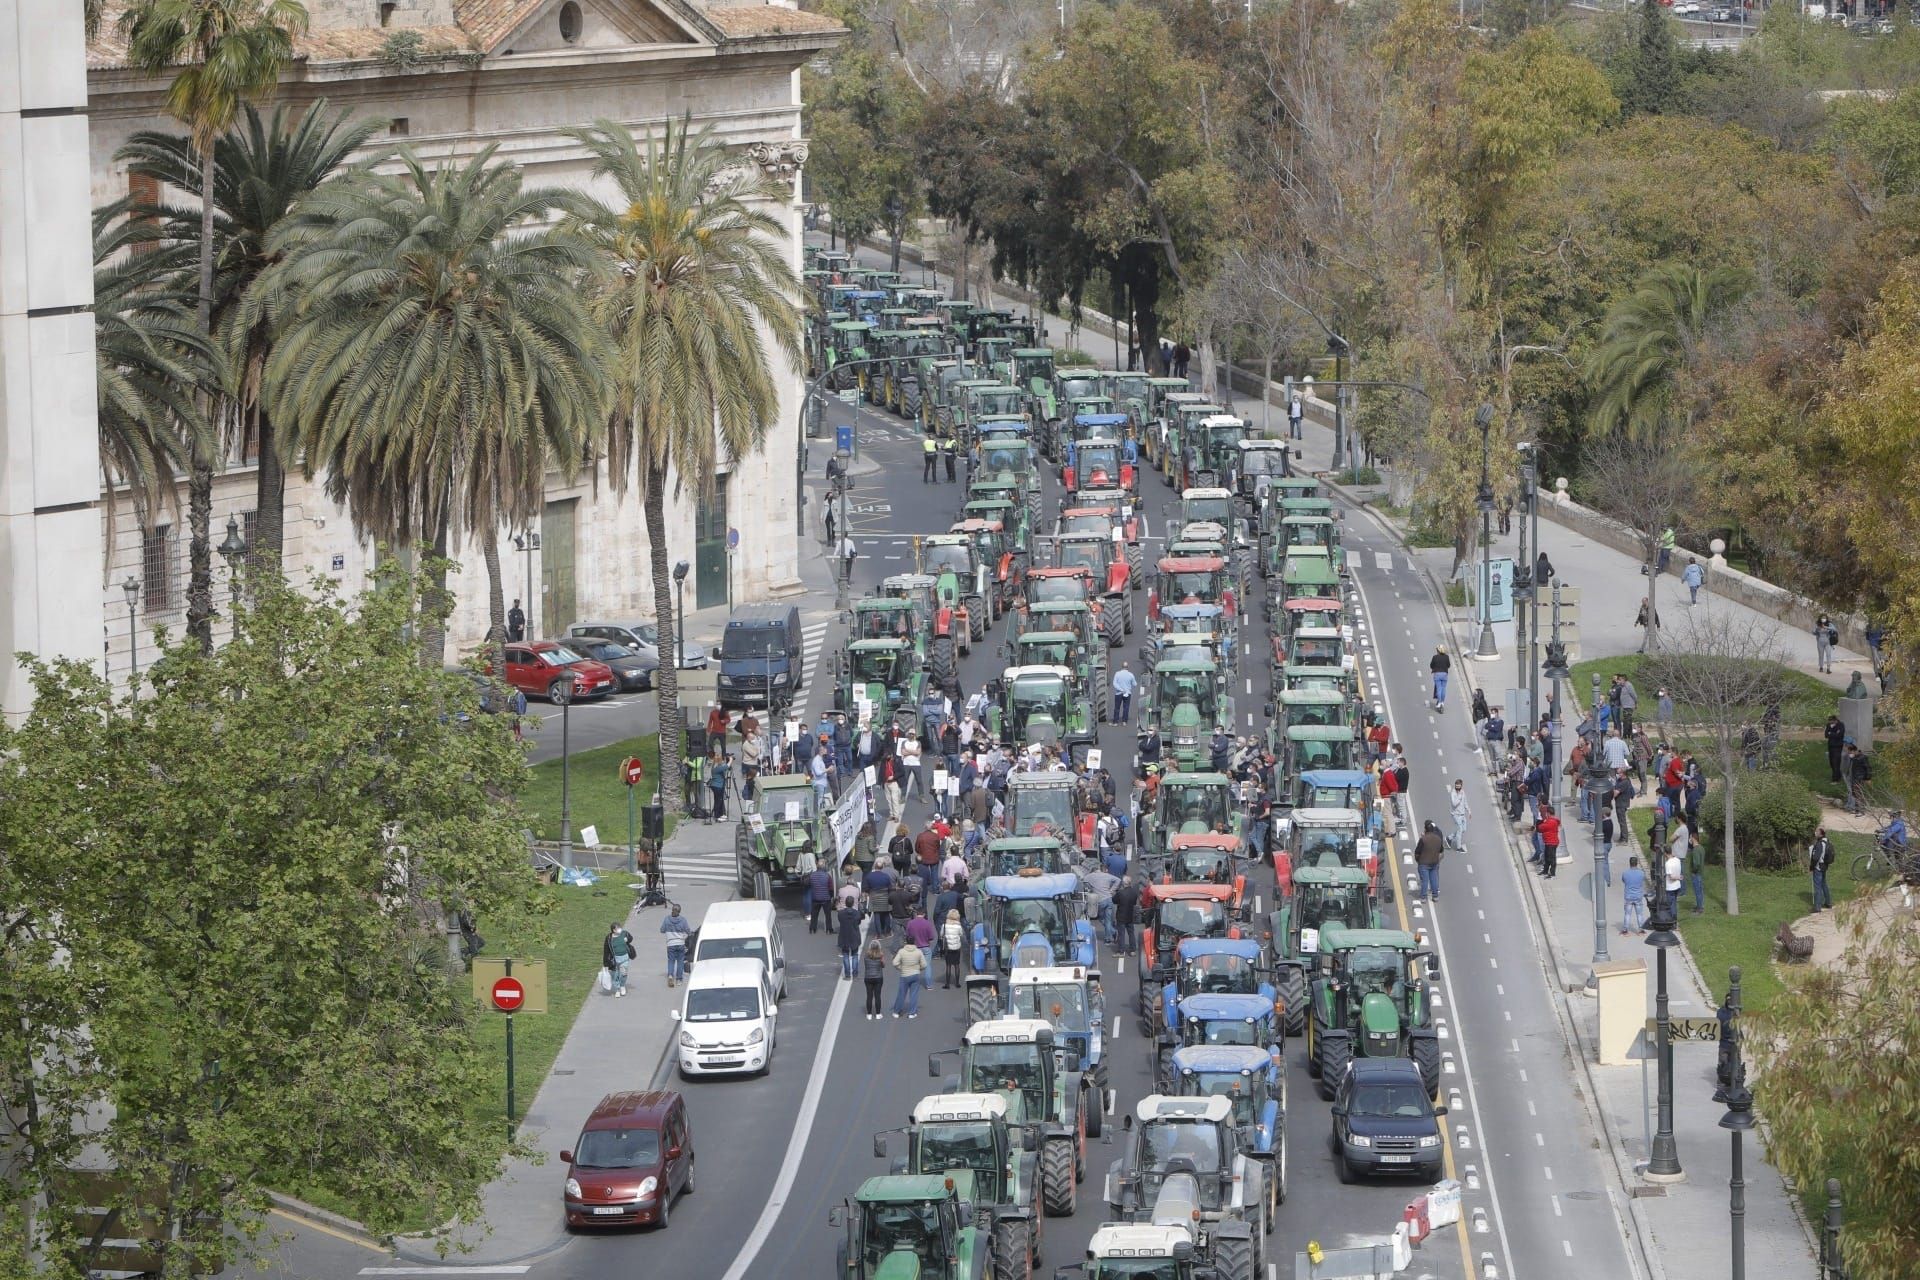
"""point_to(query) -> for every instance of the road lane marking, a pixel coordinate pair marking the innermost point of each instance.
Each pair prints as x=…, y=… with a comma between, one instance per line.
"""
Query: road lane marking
x=451, y=1270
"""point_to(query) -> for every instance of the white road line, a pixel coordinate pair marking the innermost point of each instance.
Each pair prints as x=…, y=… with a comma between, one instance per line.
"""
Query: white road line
x=796, y=1146
x=1384, y=561
x=1539, y=1140
x=446, y=1271
x=1530, y=1110
x=1492, y=962
x=1548, y=1170
x=1567, y=1245
x=1499, y=990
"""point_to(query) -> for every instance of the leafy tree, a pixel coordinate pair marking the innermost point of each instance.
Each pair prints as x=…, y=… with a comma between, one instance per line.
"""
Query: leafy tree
x=860, y=160
x=152, y=364
x=262, y=169
x=1652, y=339
x=693, y=285
x=1880, y=141
x=431, y=354
x=1645, y=75
x=1645, y=484
x=222, y=52
x=264, y=978
x=1835, y=1077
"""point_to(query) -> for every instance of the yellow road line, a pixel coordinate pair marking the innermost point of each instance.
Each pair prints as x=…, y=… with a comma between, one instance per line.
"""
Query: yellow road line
x=314, y=1224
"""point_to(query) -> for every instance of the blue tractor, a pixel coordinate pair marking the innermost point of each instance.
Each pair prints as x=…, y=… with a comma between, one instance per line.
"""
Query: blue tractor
x=1022, y=921
x=1256, y=1084
x=1215, y=967
x=1217, y=1020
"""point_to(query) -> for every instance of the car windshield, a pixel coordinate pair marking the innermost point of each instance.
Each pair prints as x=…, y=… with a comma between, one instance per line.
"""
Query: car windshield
x=559, y=656
x=1082, y=555
x=903, y=1228
x=788, y=804
x=1045, y=653
x=1060, y=1003
x=617, y=1149
x=883, y=624
x=1329, y=847
x=1194, y=586
x=753, y=642
x=721, y=1004
x=733, y=949
x=1194, y=808
x=1315, y=651
x=992, y=1068
x=1339, y=904
x=1218, y=510
x=1193, y=917
x=1224, y=1084
x=1051, y=590
x=647, y=633
x=957, y=1145
x=1006, y=457
x=942, y=557
x=1196, y=687
x=1403, y=1101
x=1039, y=691
x=1263, y=462
x=1032, y=805
x=1202, y=863
x=1166, y=1141
x=1074, y=388
x=1309, y=535
x=1032, y=915
x=1222, y=976
x=1222, y=1031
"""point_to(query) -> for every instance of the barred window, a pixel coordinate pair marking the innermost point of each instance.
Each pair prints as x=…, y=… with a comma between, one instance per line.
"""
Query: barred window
x=158, y=551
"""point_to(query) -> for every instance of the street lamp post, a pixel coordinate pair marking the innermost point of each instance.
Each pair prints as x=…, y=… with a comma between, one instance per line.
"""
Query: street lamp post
x=1663, y=1163
x=1485, y=649
x=1737, y=1121
x=529, y=542
x=1525, y=588
x=1337, y=346
x=232, y=549
x=132, y=587
x=679, y=613
x=1596, y=785
x=563, y=694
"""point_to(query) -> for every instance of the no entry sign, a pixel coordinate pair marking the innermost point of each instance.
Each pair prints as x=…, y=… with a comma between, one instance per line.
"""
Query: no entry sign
x=508, y=994
x=632, y=769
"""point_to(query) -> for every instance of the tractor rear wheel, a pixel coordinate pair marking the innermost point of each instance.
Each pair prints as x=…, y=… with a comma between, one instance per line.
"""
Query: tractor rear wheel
x=762, y=886
x=1112, y=625
x=743, y=863
x=1126, y=615
x=1093, y=1102
x=1335, y=1052
x=943, y=667
x=977, y=616
x=1012, y=1249
x=1257, y=1215
x=1233, y=1258
x=1243, y=570
x=982, y=1002
x=1136, y=565
x=1426, y=1056
x=1152, y=1013
x=1102, y=706
x=1057, y=1186
x=1292, y=984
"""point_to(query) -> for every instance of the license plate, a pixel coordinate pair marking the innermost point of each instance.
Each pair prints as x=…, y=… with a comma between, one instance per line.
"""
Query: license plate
x=609, y=1208
x=1396, y=1159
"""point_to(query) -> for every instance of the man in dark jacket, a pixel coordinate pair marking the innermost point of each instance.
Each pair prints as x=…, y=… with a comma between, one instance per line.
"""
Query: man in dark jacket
x=1836, y=745
x=819, y=899
x=1819, y=858
x=1126, y=914
x=1427, y=852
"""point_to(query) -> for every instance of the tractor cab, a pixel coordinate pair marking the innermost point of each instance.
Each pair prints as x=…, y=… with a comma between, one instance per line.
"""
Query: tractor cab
x=1029, y=919
x=1210, y=857
x=1039, y=854
x=1350, y=789
x=910, y=1225
x=1037, y=708
x=885, y=674
x=1245, y=1077
x=1100, y=462
x=1251, y=1020
x=1323, y=898
x=994, y=400
x=1059, y=586
x=1184, y=708
x=1329, y=838
x=879, y=618
x=1045, y=649
x=1317, y=707
x=1186, y=436
x=1213, y=450
x=1318, y=647
x=1191, y=804
x=1371, y=999
x=1042, y=805
x=1309, y=571
x=1261, y=462
x=1310, y=747
x=1068, y=999
x=1306, y=611
x=1192, y=580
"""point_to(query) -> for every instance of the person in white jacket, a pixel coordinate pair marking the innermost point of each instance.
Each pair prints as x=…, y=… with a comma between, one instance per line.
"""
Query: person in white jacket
x=1460, y=811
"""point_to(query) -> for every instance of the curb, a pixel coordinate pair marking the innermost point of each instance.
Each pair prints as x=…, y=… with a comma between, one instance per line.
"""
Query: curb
x=294, y=1207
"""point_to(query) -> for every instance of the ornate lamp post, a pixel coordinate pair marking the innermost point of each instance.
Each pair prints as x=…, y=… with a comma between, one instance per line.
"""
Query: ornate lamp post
x=529, y=542
x=1736, y=1122
x=679, y=613
x=1663, y=1164
x=1484, y=420
x=233, y=549
x=132, y=587
x=1596, y=782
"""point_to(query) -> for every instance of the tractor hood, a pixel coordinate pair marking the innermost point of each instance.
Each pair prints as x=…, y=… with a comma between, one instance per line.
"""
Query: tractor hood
x=901, y=1264
x=1042, y=729
x=1378, y=1017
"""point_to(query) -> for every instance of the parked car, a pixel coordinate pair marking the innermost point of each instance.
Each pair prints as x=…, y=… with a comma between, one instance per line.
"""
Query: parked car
x=633, y=1157
x=1685, y=8
x=643, y=637
x=544, y=667
x=1721, y=14
x=634, y=668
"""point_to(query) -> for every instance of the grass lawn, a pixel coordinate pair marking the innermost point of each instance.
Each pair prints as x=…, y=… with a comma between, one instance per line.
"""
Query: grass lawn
x=1767, y=898
x=1811, y=705
x=598, y=796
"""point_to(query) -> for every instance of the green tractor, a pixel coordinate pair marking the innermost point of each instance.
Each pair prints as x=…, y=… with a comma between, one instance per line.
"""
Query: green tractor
x=964, y=587
x=1040, y=706
x=848, y=343
x=952, y=414
x=914, y=348
x=1153, y=432
x=1032, y=648
x=1018, y=1056
x=1069, y=385
x=1186, y=804
x=779, y=844
x=1370, y=999
x=1179, y=409
x=1317, y=899
x=1185, y=707
x=983, y=402
x=912, y=1227
x=1211, y=452
x=943, y=636
x=1033, y=374
x=884, y=675
x=984, y=1136
x=891, y=617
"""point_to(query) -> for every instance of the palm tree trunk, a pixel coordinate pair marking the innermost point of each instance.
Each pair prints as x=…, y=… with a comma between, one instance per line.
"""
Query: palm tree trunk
x=434, y=602
x=496, y=598
x=667, y=678
x=200, y=481
x=269, y=498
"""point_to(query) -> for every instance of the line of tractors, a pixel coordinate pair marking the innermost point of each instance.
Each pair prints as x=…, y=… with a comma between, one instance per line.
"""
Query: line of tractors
x=978, y=1168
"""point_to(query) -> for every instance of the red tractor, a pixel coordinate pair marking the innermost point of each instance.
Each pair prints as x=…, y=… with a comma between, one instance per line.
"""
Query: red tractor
x=1098, y=464
x=1192, y=580
x=1092, y=514
x=1106, y=565
x=1216, y=858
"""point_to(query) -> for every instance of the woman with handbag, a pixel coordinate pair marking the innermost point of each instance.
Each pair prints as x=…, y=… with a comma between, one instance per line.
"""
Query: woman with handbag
x=953, y=950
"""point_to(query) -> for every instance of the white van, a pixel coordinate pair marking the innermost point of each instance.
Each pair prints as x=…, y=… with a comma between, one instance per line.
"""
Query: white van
x=726, y=1018
x=742, y=931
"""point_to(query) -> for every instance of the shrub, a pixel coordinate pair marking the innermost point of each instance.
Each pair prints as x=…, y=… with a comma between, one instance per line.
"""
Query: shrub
x=1774, y=816
x=1070, y=357
x=1363, y=477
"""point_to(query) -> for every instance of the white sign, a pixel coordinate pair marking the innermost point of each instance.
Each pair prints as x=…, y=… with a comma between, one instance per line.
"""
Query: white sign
x=589, y=836
x=850, y=396
x=793, y=731
x=939, y=779
x=848, y=819
x=1093, y=759
x=756, y=823
x=793, y=811
x=953, y=784
x=1363, y=849
x=871, y=779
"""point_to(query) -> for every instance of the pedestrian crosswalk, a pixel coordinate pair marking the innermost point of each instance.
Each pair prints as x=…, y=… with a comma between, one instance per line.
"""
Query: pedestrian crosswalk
x=698, y=868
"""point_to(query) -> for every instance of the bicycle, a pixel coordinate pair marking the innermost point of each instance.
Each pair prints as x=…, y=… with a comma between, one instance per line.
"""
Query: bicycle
x=1886, y=861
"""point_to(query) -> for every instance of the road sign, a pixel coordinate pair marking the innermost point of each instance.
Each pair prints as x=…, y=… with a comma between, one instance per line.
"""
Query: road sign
x=530, y=974
x=733, y=539
x=508, y=995
x=843, y=438
x=632, y=769
x=850, y=396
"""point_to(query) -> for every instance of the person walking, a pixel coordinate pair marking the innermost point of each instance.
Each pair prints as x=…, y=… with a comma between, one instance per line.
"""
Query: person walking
x=1824, y=638
x=953, y=950
x=1296, y=414
x=848, y=552
x=1124, y=684
x=873, y=971
x=1440, y=665
x=675, y=929
x=847, y=923
x=910, y=962
x=516, y=623
x=1694, y=577
x=1819, y=859
x=1100, y=885
x=1649, y=618
x=1674, y=872
x=1427, y=852
x=1459, y=810
x=1697, y=871
x=616, y=953
x=1548, y=829
x=1126, y=910
x=719, y=769
x=1633, y=897
x=819, y=899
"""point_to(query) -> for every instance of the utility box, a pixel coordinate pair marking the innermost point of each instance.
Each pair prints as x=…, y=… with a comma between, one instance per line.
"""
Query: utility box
x=1622, y=997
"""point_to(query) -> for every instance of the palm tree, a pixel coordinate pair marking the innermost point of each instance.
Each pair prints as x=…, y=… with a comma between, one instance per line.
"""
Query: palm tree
x=698, y=275
x=151, y=361
x=262, y=169
x=226, y=51
x=1651, y=337
x=432, y=355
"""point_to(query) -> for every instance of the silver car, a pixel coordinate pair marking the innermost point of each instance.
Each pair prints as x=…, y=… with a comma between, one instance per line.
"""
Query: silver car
x=643, y=637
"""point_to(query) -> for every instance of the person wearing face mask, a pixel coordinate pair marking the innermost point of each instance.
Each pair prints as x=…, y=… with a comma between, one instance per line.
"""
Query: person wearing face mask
x=1459, y=810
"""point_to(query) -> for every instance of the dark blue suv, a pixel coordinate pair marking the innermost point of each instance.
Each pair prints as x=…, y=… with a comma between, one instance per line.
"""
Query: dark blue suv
x=1384, y=1122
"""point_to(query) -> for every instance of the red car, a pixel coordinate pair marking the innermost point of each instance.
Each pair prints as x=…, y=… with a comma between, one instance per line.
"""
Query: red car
x=543, y=668
x=634, y=1155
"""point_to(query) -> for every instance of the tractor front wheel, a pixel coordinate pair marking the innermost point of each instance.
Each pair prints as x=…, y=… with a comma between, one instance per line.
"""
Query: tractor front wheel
x=1292, y=984
x=1426, y=1056
x=1057, y=1185
x=1012, y=1249
x=943, y=667
x=1233, y=1258
x=743, y=864
x=762, y=886
x=1112, y=625
x=982, y=1002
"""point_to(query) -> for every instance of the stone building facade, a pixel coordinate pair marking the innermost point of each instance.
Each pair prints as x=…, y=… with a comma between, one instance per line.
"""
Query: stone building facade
x=454, y=76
